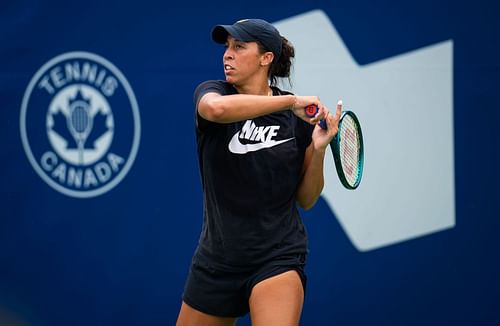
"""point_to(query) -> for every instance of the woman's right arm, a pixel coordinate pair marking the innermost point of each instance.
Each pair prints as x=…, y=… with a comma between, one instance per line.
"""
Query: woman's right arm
x=238, y=107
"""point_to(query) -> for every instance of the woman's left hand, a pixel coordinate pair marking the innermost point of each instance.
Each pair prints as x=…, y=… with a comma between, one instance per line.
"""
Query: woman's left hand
x=321, y=137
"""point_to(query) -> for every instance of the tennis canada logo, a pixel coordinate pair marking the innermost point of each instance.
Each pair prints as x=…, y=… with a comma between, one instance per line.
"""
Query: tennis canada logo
x=80, y=124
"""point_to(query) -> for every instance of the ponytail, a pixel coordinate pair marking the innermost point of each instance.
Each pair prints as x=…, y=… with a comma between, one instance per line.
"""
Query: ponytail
x=280, y=67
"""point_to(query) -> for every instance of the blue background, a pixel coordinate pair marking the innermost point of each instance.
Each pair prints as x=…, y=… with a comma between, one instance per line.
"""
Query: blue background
x=122, y=258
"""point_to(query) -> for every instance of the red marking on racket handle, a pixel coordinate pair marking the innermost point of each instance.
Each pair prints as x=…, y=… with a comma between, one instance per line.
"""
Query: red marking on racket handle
x=311, y=111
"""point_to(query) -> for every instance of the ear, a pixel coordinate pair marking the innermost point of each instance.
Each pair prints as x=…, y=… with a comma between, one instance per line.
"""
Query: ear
x=266, y=59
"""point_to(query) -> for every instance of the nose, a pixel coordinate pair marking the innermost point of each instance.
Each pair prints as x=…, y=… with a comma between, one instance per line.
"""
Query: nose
x=228, y=54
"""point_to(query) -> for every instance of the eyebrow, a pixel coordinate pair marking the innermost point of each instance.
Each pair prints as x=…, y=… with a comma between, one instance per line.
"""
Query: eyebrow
x=235, y=39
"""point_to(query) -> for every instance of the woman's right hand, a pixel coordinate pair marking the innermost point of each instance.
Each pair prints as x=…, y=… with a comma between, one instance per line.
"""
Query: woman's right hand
x=301, y=102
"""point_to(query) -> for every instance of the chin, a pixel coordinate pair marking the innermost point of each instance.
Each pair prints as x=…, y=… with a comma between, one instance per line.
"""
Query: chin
x=230, y=80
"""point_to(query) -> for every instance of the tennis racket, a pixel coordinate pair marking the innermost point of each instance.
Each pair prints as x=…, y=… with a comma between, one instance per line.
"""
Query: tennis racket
x=347, y=147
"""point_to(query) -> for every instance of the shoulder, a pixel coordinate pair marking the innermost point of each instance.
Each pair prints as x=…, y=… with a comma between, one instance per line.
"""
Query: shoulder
x=209, y=86
x=217, y=86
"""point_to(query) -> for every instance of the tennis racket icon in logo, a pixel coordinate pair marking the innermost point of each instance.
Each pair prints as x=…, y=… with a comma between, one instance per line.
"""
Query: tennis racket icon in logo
x=80, y=124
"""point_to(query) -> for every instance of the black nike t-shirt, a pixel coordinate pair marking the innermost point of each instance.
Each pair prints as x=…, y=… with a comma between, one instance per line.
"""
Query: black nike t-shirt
x=250, y=172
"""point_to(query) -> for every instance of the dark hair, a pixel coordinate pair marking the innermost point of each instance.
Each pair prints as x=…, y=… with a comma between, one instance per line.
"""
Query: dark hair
x=282, y=66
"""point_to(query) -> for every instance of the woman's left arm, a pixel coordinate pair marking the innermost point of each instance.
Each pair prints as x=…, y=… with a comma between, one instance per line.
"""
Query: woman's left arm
x=313, y=181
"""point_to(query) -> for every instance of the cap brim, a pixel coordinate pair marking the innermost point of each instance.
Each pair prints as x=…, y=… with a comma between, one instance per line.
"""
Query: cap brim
x=221, y=32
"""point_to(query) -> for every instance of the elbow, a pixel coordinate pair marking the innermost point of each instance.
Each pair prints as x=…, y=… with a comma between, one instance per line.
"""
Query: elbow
x=307, y=196
x=212, y=110
x=307, y=203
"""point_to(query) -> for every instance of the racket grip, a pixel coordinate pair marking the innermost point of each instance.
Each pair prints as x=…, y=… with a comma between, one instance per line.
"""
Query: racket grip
x=311, y=111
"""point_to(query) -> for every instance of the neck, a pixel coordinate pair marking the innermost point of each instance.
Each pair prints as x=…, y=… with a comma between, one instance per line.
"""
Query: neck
x=262, y=89
x=255, y=86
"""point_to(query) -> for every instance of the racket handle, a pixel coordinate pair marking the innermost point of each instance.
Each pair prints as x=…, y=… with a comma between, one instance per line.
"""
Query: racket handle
x=311, y=111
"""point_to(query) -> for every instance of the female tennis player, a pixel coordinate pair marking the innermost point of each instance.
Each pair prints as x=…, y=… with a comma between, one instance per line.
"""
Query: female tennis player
x=259, y=156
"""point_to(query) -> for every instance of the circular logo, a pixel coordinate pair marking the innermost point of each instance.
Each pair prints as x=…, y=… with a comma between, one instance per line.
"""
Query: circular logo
x=80, y=124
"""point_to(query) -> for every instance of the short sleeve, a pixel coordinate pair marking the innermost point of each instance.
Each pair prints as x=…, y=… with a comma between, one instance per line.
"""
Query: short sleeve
x=209, y=86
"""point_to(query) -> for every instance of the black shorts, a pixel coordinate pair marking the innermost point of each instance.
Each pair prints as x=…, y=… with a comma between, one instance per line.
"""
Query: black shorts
x=224, y=291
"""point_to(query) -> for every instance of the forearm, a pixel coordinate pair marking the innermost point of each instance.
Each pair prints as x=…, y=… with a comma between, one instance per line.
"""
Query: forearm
x=313, y=180
x=239, y=107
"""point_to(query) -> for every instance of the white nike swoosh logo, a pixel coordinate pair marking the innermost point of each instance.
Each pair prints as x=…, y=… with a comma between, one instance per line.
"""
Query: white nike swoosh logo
x=236, y=147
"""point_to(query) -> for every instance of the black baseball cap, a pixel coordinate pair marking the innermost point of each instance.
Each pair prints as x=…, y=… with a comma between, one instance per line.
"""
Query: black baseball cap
x=250, y=30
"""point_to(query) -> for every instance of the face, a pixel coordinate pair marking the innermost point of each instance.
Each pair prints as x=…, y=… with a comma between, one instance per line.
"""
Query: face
x=243, y=61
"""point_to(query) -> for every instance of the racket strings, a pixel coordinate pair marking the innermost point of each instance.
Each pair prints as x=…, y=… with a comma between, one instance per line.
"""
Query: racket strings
x=80, y=119
x=349, y=150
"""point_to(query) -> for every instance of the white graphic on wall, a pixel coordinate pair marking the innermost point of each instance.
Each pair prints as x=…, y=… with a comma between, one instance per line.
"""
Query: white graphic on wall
x=405, y=106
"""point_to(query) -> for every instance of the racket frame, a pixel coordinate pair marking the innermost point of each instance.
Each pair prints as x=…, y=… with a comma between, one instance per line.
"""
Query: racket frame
x=335, y=147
